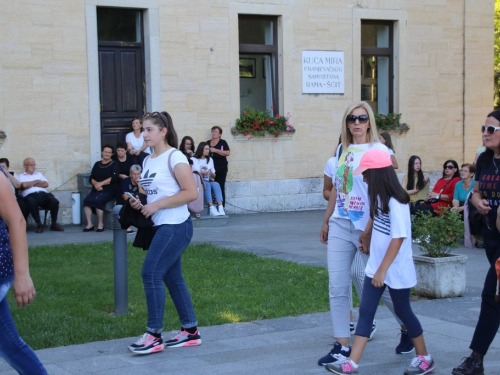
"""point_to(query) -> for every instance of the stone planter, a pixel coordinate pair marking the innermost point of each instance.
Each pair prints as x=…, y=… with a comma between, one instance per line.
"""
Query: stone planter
x=440, y=277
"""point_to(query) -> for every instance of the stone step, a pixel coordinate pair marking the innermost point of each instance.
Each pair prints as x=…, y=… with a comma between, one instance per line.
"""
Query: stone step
x=209, y=221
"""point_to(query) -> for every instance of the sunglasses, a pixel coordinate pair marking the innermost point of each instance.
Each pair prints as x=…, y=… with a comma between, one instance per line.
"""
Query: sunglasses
x=490, y=129
x=351, y=119
x=449, y=167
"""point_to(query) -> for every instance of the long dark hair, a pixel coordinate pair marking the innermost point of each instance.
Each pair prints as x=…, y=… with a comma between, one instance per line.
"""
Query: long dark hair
x=163, y=120
x=487, y=156
x=199, y=151
x=383, y=184
x=388, y=141
x=410, y=176
x=455, y=164
x=183, y=146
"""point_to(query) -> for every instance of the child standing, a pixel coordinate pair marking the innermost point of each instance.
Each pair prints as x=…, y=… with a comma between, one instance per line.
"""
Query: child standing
x=390, y=263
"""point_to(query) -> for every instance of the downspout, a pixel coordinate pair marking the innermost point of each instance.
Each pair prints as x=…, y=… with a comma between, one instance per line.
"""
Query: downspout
x=463, y=86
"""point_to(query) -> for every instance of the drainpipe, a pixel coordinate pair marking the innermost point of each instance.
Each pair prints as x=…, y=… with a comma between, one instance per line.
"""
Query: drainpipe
x=463, y=85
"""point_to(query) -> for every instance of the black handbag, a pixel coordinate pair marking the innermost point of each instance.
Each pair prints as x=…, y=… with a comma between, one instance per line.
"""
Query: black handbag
x=475, y=218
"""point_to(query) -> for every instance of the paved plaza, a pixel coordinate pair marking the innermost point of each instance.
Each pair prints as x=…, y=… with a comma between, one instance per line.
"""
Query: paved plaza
x=289, y=345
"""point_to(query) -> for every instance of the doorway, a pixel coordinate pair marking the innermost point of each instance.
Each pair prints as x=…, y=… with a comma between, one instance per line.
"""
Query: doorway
x=122, y=84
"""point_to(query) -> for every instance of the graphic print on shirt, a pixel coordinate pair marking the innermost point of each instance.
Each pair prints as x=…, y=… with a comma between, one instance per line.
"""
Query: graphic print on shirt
x=488, y=186
x=348, y=205
x=382, y=223
x=146, y=181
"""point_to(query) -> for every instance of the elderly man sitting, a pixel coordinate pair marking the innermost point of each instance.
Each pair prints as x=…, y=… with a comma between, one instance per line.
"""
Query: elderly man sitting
x=33, y=190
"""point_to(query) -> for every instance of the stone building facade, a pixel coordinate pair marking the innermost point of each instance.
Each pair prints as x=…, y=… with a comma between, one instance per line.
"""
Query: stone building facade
x=434, y=66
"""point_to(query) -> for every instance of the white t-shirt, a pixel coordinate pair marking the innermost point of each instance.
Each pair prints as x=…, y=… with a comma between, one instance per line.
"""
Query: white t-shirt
x=390, y=151
x=397, y=224
x=136, y=143
x=202, y=165
x=158, y=183
x=352, y=193
x=330, y=167
x=26, y=177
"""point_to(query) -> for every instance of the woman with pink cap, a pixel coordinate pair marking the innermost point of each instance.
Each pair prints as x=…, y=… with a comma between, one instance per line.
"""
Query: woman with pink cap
x=390, y=264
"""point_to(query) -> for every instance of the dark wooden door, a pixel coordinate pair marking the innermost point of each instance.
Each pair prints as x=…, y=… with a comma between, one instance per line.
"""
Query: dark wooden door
x=122, y=87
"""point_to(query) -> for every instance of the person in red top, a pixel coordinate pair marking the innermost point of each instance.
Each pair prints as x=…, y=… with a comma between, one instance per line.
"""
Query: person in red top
x=443, y=190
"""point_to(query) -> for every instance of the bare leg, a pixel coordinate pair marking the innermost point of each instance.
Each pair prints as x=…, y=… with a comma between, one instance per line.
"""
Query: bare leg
x=344, y=341
x=358, y=348
x=419, y=343
x=88, y=216
x=100, y=218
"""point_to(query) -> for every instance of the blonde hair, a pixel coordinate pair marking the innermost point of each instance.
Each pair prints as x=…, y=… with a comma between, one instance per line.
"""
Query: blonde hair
x=371, y=134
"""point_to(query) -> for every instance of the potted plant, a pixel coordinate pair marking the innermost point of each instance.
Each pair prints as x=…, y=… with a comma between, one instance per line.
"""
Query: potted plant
x=257, y=123
x=439, y=273
x=388, y=121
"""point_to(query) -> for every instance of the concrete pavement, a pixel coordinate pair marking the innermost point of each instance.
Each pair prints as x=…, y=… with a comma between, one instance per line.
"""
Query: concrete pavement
x=289, y=345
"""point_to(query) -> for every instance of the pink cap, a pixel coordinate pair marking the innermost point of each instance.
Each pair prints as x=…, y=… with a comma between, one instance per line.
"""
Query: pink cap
x=373, y=159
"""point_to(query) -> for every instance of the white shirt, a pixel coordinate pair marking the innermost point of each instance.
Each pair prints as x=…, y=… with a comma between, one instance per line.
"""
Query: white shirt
x=397, y=224
x=136, y=143
x=202, y=165
x=352, y=193
x=26, y=177
x=158, y=183
x=330, y=167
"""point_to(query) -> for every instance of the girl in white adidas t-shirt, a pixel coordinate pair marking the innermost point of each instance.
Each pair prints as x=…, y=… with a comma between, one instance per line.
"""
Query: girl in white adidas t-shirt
x=390, y=264
x=167, y=206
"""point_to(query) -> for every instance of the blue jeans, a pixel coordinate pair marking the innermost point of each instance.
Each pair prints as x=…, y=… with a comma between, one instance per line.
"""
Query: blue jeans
x=163, y=265
x=209, y=186
x=369, y=303
x=12, y=347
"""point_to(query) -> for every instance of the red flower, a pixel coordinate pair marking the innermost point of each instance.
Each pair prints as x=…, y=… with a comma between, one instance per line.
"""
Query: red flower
x=277, y=116
x=246, y=133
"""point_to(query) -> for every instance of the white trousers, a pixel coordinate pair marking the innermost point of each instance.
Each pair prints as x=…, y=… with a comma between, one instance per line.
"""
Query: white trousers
x=342, y=251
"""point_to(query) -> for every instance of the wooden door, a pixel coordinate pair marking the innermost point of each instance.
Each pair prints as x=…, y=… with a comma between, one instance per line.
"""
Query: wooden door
x=122, y=88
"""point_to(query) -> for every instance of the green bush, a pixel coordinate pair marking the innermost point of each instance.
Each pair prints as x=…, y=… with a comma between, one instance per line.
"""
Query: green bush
x=438, y=235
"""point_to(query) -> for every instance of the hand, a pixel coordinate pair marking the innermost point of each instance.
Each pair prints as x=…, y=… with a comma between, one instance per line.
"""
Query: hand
x=364, y=242
x=135, y=203
x=483, y=207
x=149, y=209
x=378, y=279
x=24, y=290
x=213, y=149
x=454, y=209
x=323, y=234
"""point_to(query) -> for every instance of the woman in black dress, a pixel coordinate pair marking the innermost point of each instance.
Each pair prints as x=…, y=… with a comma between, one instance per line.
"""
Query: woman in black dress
x=104, y=178
x=219, y=151
x=124, y=160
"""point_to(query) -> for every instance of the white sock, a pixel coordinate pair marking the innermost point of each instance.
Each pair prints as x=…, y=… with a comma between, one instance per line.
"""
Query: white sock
x=427, y=357
x=354, y=364
x=344, y=348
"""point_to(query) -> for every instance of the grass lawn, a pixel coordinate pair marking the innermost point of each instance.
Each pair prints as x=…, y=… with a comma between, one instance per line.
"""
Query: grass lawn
x=75, y=292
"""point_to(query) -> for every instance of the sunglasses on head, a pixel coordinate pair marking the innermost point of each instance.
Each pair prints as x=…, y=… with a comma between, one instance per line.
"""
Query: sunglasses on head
x=351, y=119
x=490, y=129
x=449, y=167
x=155, y=114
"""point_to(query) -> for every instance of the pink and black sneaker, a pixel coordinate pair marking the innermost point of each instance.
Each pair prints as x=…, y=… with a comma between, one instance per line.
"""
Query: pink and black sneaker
x=184, y=339
x=147, y=344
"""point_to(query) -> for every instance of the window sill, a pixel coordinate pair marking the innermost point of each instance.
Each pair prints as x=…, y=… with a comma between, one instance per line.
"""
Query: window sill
x=400, y=129
x=267, y=137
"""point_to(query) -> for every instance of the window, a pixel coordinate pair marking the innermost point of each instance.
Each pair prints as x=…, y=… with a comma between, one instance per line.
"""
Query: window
x=377, y=77
x=118, y=25
x=258, y=71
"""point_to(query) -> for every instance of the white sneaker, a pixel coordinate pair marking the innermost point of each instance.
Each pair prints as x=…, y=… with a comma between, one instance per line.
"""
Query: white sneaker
x=221, y=210
x=213, y=211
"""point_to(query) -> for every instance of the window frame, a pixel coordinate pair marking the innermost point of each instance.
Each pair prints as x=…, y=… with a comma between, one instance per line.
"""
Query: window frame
x=382, y=52
x=263, y=49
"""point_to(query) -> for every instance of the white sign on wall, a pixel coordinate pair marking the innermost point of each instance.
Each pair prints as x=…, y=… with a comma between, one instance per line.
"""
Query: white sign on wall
x=322, y=72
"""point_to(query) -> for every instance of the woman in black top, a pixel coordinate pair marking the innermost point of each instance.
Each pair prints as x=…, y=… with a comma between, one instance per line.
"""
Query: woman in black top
x=219, y=151
x=124, y=160
x=486, y=198
x=104, y=178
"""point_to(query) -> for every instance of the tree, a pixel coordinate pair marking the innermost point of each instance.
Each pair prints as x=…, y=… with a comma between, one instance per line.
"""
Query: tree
x=496, y=60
